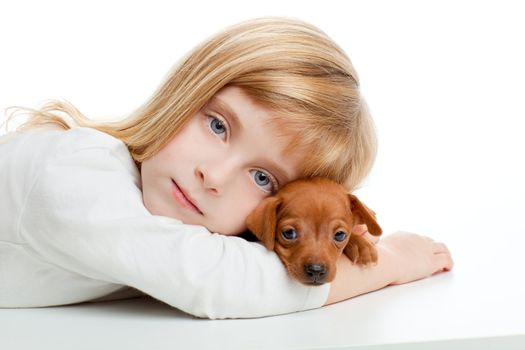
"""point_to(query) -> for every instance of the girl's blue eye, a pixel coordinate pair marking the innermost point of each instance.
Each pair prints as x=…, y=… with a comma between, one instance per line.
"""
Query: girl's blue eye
x=266, y=181
x=217, y=126
x=261, y=178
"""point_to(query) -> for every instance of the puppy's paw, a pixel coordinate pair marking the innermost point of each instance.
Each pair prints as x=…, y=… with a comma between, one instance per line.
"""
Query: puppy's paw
x=360, y=251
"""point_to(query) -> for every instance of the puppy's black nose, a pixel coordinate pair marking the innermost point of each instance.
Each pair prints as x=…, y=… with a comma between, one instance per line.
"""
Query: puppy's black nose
x=315, y=272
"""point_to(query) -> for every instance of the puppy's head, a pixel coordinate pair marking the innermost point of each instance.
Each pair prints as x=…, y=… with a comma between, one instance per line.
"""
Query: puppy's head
x=308, y=223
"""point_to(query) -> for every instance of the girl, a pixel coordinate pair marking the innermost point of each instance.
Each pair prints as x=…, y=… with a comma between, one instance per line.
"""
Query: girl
x=92, y=208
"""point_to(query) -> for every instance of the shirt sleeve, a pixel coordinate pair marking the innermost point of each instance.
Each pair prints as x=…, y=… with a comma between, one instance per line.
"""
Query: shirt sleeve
x=84, y=213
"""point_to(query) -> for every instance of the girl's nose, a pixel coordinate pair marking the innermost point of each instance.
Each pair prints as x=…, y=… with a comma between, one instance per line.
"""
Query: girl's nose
x=215, y=175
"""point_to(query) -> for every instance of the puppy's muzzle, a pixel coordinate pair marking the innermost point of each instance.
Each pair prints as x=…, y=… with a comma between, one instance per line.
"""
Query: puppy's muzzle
x=315, y=273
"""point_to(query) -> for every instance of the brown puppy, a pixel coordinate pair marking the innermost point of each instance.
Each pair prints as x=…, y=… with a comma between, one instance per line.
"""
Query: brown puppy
x=308, y=223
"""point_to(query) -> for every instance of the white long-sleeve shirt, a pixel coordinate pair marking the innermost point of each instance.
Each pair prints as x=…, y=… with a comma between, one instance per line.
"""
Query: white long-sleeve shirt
x=73, y=228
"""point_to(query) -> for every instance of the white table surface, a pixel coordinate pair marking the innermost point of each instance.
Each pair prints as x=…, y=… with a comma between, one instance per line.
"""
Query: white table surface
x=478, y=305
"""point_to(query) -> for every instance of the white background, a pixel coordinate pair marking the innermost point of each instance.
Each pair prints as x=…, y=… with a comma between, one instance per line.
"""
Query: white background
x=445, y=83
x=444, y=80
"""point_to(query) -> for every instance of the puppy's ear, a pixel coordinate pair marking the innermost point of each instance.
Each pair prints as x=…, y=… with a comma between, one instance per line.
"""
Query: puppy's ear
x=263, y=219
x=364, y=215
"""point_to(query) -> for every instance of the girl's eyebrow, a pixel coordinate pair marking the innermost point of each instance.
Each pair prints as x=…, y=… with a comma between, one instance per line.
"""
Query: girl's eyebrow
x=225, y=109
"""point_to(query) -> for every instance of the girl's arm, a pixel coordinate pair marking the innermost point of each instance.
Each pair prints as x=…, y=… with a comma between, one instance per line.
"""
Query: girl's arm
x=73, y=210
x=403, y=257
x=81, y=231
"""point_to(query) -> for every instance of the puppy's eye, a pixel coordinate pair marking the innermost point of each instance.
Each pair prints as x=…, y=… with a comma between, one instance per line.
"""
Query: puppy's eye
x=340, y=236
x=289, y=234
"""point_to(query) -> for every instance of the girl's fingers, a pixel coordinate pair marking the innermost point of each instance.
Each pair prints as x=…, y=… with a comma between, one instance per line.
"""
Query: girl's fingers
x=438, y=247
x=360, y=230
x=442, y=256
x=443, y=262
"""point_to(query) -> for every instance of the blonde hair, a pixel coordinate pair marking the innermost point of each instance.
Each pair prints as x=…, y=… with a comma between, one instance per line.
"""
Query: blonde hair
x=284, y=64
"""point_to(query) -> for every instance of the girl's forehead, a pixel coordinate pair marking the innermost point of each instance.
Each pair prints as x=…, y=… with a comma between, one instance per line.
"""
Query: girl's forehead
x=245, y=111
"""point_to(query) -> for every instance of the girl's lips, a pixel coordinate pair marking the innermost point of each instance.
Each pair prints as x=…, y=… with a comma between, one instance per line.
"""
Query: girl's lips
x=181, y=197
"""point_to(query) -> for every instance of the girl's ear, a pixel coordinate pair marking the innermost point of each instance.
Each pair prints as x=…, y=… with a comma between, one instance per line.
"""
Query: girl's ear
x=262, y=221
x=364, y=215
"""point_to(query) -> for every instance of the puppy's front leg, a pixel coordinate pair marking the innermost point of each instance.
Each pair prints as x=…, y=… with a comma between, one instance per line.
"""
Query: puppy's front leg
x=360, y=251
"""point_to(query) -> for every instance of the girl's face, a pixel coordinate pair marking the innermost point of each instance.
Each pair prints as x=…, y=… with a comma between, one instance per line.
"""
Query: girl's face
x=219, y=166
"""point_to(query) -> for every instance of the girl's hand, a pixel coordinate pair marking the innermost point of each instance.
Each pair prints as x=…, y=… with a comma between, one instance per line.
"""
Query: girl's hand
x=362, y=230
x=415, y=257
x=403, y=257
